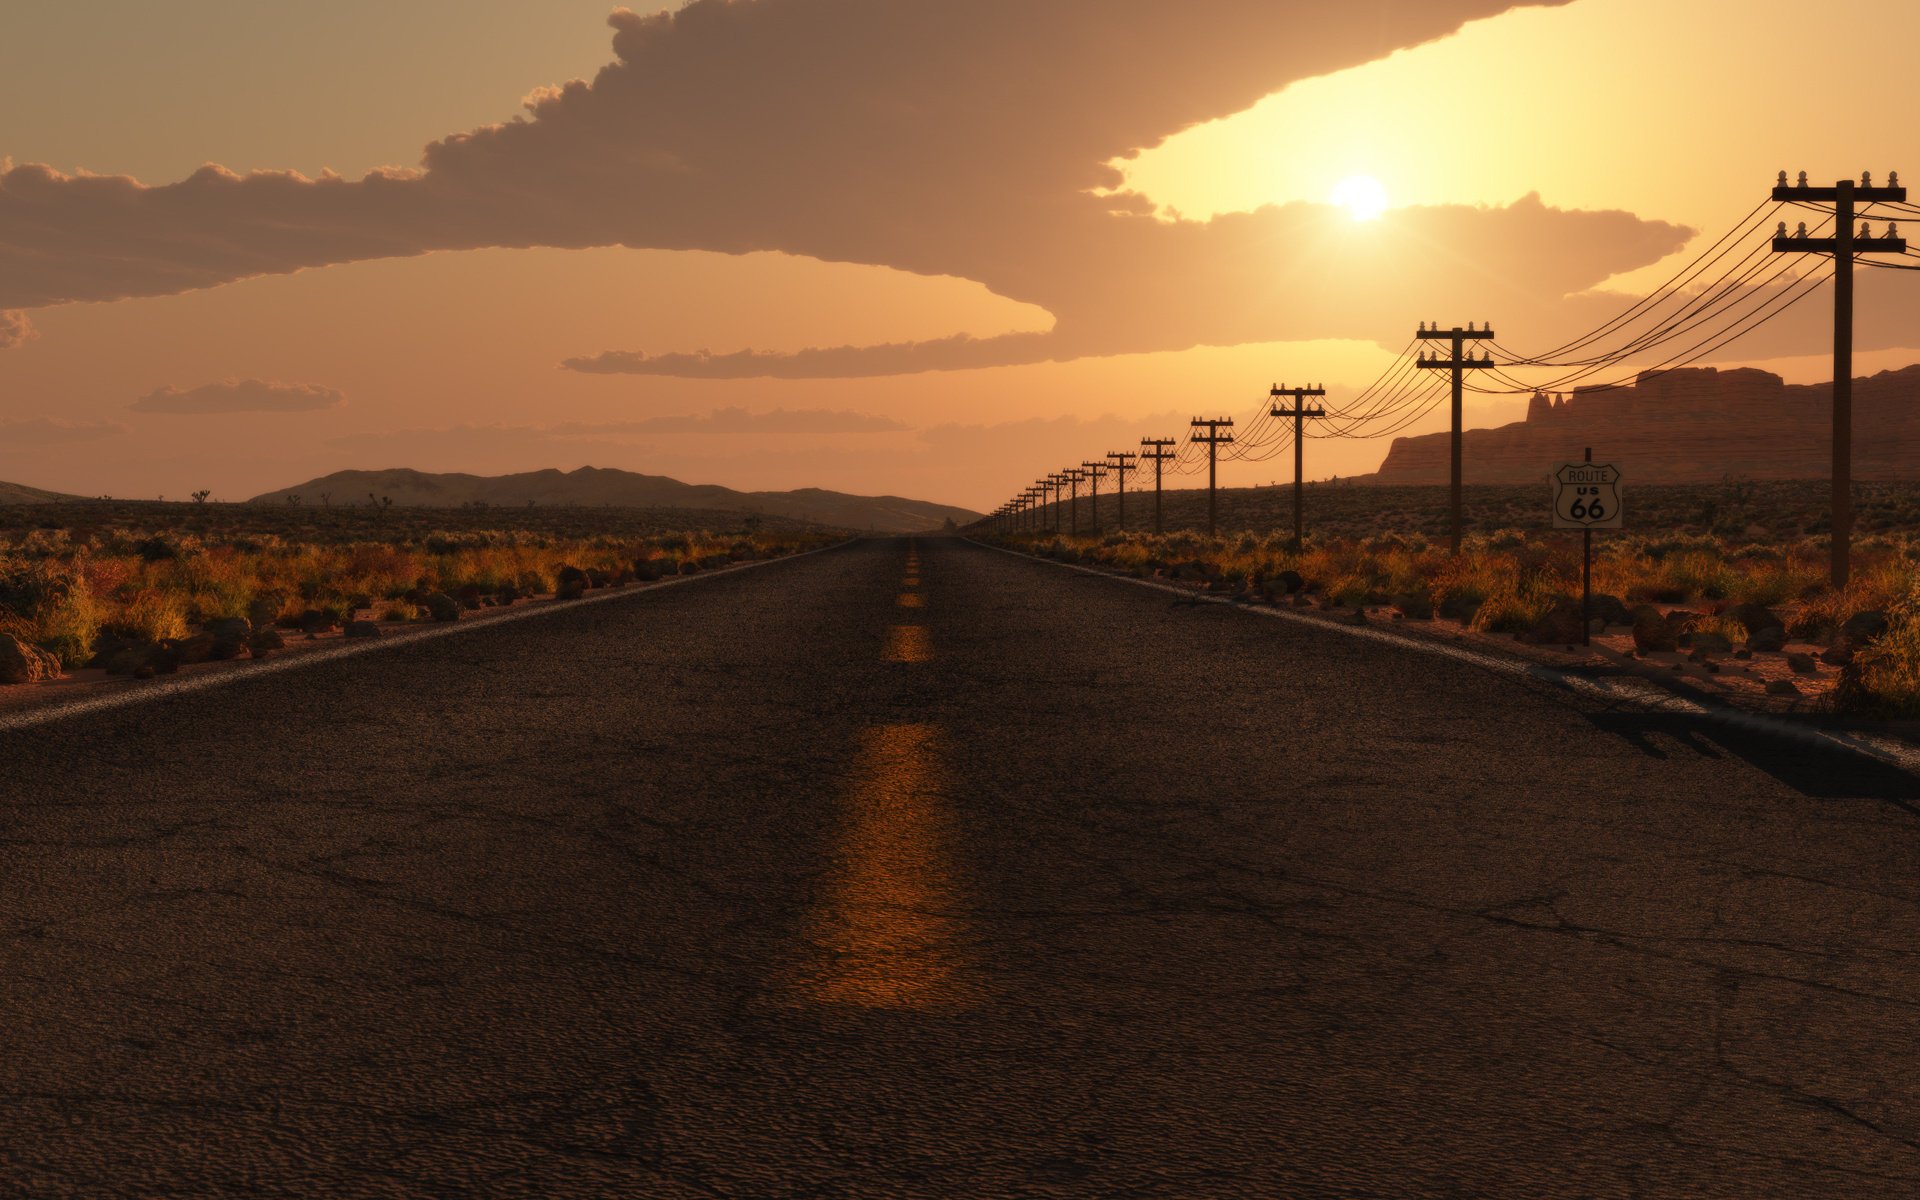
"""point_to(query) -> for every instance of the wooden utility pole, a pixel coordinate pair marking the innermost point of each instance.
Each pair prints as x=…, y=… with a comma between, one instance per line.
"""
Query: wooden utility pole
x=1460, y=363
x=1059, y=485
x=1214, y=440
x=1843, y=246
x=1073, y=476
x=1122, y=461
x=1299, y=412
x=1161, y=452
x=1095, y=472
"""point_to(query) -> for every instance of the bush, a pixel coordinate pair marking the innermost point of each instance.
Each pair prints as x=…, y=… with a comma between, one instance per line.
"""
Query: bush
x=1884, y=678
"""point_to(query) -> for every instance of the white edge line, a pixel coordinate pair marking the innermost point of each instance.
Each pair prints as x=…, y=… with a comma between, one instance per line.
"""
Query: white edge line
x=148, y=692
x=1883, y=750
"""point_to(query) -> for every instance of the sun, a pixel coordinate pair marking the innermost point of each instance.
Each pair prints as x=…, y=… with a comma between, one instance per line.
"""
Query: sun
x=1362, y=197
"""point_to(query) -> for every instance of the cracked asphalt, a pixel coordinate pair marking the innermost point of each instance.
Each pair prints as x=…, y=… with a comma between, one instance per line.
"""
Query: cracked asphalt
x=735, y=889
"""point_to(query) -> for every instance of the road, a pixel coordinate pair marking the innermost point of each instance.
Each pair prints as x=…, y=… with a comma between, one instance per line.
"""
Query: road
x=918, y=869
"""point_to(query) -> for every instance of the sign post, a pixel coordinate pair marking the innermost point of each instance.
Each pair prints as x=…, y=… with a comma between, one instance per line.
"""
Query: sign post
x=1586, y=496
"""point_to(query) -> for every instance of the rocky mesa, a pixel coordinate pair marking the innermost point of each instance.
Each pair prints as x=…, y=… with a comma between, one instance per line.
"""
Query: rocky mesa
x=1696, y=425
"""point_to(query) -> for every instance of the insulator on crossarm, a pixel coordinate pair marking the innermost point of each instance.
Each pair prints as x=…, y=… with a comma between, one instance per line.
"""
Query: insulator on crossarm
x=1783, y=179
x=1802, y=231
x=1893, y=229
x=1423, y=327
x=1866, y=179
x=1782, y=231
x=1866, y=230
x=1803, y=179
x=1893, y=179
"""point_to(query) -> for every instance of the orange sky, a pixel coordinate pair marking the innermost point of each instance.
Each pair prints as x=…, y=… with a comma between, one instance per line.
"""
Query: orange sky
x=978, y=220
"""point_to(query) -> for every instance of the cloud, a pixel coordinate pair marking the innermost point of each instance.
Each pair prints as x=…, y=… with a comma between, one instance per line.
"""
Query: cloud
x=15, y=329
x=240, y=396
x=744, y=421
x=53, y=431
x=971, y=139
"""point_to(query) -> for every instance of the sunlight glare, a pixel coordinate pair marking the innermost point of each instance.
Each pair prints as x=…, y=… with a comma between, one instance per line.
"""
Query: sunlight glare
x=1362, y=197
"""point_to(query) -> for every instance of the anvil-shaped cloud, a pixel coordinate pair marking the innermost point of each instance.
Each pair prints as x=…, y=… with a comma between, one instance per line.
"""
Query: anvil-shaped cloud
x=971, y=139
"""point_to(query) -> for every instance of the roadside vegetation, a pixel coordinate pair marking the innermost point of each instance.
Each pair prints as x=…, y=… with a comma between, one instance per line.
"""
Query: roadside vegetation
x=1703, y=572
x=143, y=589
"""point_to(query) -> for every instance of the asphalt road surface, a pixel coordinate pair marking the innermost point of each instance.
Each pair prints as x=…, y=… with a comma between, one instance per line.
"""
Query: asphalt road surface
x=950, y=876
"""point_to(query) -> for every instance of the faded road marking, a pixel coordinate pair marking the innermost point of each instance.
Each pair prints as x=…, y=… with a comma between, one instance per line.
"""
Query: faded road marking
x=912, y=600
x=884, y=933
x=908, y=644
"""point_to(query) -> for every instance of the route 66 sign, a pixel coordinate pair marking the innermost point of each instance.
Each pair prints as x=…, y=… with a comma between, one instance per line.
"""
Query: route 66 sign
x=1586, y=496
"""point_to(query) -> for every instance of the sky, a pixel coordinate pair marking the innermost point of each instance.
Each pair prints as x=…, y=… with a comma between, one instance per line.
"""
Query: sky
x=880, y=246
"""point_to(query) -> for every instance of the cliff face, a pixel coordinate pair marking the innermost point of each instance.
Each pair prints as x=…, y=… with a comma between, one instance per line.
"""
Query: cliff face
x=1696, y=425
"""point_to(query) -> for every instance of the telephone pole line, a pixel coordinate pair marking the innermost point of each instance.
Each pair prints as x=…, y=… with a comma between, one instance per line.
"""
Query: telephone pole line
x=1843, y=246
x=1459, y=363
x=1096, y=471
x=1214, y=440
x=1122, y=461
x=1160, y=452
x=1299, y=412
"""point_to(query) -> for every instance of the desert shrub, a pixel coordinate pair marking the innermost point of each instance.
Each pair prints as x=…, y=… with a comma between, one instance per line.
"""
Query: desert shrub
x=150, y=615
x=1884, y=678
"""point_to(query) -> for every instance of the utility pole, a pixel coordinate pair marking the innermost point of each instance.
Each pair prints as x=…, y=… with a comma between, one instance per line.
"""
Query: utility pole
x=1299, y=412
x=1458, y=364
x=1059, y=485
x=1122, y=461
x=1844, y=245
x=1161, y=452
x=1095, y=471
x=1214, y=440
x=1073, y=476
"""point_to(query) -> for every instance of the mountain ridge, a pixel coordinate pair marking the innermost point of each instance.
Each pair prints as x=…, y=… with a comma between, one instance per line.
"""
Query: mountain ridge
x=20, y=493
x=609, y=486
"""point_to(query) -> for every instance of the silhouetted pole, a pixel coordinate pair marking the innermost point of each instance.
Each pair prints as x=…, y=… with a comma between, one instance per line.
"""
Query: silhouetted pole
x=1586, y=577
x=1073, y=476
x=1160, y=452
x=1059, y=485
x=1095, y=472
x=1214, y=440
x=1460, y=363
x=1299, y=412
x=1122, y=461
x=1842, y=246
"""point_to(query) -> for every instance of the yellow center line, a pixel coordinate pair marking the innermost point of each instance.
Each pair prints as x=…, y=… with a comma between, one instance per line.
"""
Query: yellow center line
x=908, y=644
x=911, y=600
x=884, y=935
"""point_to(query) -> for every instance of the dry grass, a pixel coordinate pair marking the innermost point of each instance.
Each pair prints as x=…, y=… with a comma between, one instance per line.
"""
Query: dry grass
x=61, y=588
x=1514, y=577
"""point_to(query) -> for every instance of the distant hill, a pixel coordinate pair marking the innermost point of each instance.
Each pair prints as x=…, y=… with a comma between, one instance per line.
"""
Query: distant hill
x=594, y=487
x=1698, y=425
x=19, y=493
